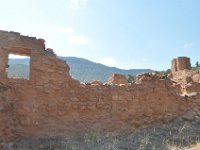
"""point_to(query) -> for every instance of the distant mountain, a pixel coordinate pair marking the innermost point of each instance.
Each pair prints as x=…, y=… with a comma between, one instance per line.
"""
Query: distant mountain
x=18, y=70
x=80, y=69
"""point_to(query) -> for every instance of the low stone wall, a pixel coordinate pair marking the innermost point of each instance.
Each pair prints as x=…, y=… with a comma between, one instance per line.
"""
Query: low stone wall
x=54, y=110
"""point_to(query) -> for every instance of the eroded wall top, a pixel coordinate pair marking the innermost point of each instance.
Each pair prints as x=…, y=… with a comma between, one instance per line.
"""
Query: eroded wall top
x=15, y=39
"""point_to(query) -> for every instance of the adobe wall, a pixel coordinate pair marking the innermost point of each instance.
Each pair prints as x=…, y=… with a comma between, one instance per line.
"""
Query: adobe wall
x=14, y=39
x=117, y=79
x=180, y=63
x=182, y=73
x=56, y=111
x=40, y=57
x=51, y=103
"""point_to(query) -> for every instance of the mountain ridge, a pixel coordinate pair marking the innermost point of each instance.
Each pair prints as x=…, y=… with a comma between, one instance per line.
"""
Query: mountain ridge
x=81, y=69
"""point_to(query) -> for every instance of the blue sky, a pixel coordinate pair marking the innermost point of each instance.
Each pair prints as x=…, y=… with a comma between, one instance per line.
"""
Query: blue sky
x=121, y=33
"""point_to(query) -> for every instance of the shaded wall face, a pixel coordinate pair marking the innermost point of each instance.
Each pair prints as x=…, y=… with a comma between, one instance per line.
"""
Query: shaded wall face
x=183, y=63
x=3, y=63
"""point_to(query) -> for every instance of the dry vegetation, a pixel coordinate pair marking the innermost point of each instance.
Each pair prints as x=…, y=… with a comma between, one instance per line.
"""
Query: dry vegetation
x=175, y=135
x=192, y=147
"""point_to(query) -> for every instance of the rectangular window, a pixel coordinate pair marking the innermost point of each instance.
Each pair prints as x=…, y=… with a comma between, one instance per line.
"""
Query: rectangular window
x=18, y=67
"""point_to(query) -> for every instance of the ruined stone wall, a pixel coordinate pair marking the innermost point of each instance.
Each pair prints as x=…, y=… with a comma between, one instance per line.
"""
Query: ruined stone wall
x=57, y=111
x=180, y=63
x=186, y=76
x=117, y=79
x=182, y=73
x=51, y=103
x=14, y=39
x=42, y=61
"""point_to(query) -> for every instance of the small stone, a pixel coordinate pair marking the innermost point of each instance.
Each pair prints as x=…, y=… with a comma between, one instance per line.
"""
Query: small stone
x=188, y=116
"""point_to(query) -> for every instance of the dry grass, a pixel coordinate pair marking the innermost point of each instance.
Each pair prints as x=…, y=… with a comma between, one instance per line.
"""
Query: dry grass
x=175, y=135
x=192, y=147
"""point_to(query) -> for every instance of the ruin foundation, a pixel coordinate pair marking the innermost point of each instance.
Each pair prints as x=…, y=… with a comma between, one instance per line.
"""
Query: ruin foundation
x=52, y=103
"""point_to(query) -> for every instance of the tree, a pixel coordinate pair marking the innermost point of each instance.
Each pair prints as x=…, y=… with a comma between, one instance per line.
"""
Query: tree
x=164, y=72
x=131, y=78
x=168, y=71
x=197, y=64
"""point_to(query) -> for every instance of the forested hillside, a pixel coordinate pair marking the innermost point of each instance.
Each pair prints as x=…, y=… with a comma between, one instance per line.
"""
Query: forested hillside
x=81, y=69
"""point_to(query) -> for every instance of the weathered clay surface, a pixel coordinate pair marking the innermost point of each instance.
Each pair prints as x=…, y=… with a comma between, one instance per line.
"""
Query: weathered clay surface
x=186, y=76
x=51, y=103
x=188, y=79
x=117, y=79
x=182, y=73
x=96, y=82
x=180, y=63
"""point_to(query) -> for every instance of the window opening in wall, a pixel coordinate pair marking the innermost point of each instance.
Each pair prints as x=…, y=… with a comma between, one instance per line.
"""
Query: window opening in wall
x=18, y=67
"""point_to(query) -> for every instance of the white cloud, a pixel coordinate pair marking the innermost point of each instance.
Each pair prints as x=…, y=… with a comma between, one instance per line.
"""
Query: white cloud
x=187, y=45
x=78, y=39
x=71, y=35
x=12, y=56
x=64, y=30
x=108, y=61
x=77, y=3
x=144, y=60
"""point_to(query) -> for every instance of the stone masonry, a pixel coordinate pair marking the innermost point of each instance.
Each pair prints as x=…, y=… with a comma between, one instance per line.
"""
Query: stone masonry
x=52, y=103
x=117, y=79
x=182, y=73
x=180, y=63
